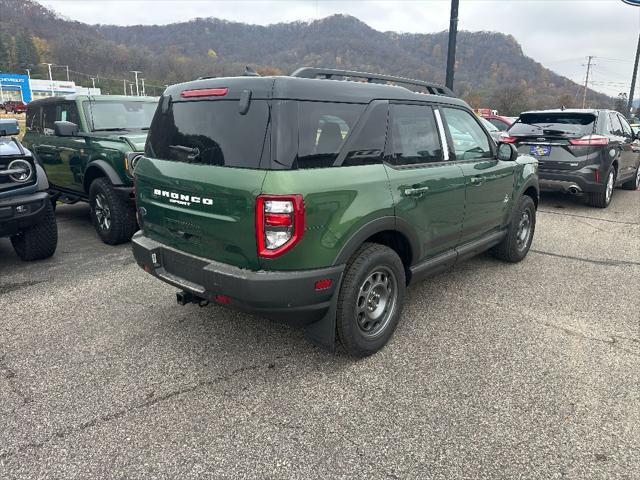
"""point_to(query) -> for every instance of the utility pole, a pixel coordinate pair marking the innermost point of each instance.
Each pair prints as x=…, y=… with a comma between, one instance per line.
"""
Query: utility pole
x=633, y=79
x=131, y=88
x=451, y=51
x=586, y=82
x=136, y=72
x=50, y=77
x=144, y=94
x=124, y=86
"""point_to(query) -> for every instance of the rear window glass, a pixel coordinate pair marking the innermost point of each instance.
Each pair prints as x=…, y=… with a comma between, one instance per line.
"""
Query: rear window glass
x=209, y=132
x=573, y=124
x=324, y=128
x=119, y=114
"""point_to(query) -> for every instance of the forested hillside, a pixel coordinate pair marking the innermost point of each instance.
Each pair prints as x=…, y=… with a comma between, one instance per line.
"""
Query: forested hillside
x=491, y=68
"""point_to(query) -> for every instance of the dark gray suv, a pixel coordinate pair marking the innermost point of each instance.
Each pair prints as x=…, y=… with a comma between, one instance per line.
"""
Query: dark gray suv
x=586, y=152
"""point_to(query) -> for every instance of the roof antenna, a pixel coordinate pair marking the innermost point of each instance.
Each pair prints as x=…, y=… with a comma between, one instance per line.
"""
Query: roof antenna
x=250, y=72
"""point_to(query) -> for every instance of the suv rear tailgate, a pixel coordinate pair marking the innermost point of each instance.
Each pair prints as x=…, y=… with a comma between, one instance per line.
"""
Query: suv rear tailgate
x=204, y=210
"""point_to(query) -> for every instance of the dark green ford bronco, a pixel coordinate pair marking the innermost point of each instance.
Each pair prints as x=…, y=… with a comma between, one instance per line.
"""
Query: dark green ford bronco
x=317, y=198
x=87, y=146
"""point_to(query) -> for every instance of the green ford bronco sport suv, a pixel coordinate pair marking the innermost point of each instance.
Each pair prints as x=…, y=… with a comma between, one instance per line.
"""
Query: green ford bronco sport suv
x=317, y=198
x=87, y=146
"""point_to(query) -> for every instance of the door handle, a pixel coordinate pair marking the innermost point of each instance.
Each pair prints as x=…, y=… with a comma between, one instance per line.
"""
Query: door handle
x=477, y=181
x=415, y=191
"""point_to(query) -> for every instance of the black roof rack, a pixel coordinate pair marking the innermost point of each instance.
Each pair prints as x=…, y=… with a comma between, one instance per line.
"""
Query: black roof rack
x=330, y=73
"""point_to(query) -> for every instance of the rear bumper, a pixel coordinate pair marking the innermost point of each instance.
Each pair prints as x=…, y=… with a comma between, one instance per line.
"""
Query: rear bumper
x=582, y=180
x=23, y=211
x=287, y=296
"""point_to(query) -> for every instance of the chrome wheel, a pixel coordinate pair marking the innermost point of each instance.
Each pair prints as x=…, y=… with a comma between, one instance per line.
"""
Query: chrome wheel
x=523, y=233
x=610, y=184
x=376, y=302
x=102, y=212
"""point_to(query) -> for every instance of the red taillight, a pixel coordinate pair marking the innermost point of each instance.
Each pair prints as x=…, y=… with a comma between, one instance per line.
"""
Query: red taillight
x=507, y=139
x=598, y=176
x=590, y=140
x=278, y=220
x=323, y=284
x=205, y=92
x=279, y=223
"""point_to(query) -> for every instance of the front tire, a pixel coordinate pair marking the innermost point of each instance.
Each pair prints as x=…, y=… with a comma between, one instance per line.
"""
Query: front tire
x=517, y=242
x=370, y=300
x=112, y=218
x=603, y=199
x=38, y=241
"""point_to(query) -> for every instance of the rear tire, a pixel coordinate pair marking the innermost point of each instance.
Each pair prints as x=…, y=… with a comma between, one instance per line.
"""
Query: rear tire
x=370, y=300
x=112, y=218
x=38, y=241
x=603, y=199
x=634, y=182
x=516, y=244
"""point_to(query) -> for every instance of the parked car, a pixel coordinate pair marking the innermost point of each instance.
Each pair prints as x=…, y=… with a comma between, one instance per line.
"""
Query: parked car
x=88, y=146
x=26, y=214
x=494, y=131
x=501, y=122
x=316, y=200
x=579, y=151
x=14, y=106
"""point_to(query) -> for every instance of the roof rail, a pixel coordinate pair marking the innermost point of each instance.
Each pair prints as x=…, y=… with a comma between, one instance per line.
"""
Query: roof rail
x=330, y=73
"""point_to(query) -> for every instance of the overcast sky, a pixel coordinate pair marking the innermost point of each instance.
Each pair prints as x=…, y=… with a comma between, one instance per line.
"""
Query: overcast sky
x=560, y=34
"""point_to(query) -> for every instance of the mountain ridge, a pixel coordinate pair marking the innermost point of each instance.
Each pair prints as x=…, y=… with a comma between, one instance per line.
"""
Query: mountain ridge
x=491, y=68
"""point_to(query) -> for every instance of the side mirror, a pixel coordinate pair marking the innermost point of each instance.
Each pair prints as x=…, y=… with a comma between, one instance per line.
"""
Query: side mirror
x=9, y=126
x=507, y=152
x=65, y=129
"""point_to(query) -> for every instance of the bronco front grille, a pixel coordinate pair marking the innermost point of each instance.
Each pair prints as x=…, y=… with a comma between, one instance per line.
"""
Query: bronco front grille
x=6, y=182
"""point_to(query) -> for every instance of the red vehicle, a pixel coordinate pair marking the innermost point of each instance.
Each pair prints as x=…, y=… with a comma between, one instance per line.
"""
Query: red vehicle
x=501, y=123
x=15, y=106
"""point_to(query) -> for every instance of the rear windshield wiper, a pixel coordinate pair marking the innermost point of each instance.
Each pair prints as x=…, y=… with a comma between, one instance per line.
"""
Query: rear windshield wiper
x=111, y=129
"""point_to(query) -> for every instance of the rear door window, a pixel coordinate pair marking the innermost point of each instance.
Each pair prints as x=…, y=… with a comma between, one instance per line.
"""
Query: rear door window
x=68, y=112
x=48, y=118
x=414, y=136
x=469, y=139
x=626, y=128
x=209, y=132
x=614, y=125
x=554, y=123
x=367, y=145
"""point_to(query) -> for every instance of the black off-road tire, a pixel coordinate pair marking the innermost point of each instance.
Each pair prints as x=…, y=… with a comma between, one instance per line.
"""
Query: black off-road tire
x=600, y=199
x=369, y=259
x=38, y=241
x=122, y=220
x=513, y=247
x=634, y=182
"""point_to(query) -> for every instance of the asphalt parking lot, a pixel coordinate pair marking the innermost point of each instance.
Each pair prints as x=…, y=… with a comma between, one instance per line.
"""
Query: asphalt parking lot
x=496, y=371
